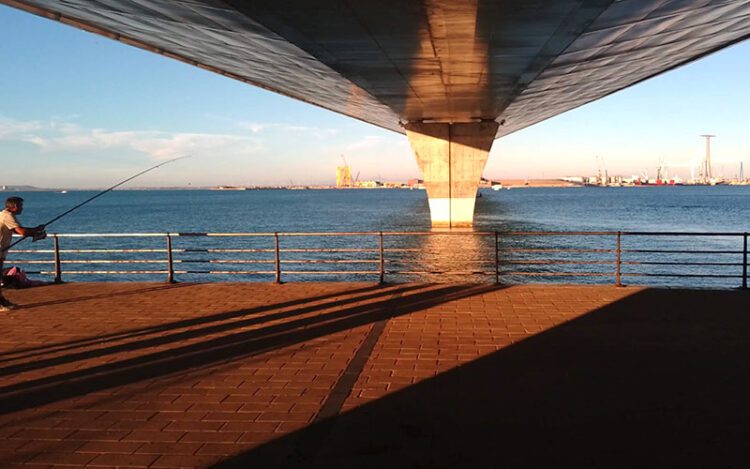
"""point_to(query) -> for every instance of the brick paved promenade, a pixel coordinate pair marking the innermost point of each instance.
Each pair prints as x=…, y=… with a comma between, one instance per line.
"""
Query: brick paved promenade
x=361, y=375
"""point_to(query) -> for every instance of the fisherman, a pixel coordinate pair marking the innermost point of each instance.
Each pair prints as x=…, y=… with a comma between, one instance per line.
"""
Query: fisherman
x=9, y=225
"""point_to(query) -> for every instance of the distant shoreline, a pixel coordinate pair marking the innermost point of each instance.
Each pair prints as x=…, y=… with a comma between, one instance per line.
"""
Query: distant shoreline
x=504, y=183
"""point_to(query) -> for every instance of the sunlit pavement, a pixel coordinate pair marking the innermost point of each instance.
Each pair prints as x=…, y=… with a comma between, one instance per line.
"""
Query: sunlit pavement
x=362, y=375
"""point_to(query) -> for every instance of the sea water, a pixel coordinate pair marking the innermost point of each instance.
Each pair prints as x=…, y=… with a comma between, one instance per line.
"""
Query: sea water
x=649, y=208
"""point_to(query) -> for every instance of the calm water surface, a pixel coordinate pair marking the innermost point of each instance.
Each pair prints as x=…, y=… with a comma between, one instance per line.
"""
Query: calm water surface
x=719, y=208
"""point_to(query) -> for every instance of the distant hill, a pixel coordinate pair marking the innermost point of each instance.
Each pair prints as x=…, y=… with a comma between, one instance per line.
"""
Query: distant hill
x=23, y=188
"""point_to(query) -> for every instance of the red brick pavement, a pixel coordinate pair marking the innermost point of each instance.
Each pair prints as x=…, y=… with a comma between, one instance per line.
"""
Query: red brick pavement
x=194, y=375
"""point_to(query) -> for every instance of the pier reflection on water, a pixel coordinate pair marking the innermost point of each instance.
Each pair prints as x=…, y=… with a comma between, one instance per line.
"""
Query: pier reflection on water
x=449, y=256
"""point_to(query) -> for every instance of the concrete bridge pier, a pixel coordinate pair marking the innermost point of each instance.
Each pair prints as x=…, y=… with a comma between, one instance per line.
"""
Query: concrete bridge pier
x=451, y=158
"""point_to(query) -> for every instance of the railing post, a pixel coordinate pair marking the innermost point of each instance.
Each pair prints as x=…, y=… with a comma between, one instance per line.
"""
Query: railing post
x=744, y=261
x=278, y=260
x=619, y=260
x=170, y=263
x=382, y=261
x=58, y=269
x=497, y=260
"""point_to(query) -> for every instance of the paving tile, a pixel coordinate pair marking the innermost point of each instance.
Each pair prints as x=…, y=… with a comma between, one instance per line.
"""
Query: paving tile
x=62, y=459
x=222, y=449
x=211, y=437
x=117, y=447
x=180, y=448
x=123, y=460
x=172, y=461
x=150, y=435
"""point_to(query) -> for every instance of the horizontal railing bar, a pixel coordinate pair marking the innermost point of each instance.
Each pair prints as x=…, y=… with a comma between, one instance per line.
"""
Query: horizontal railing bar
x=88, y=251
x=556, y=233
x=562, y=274
x=549, y=261
x=221, y=261
x=110, y=272
x=436, y=255
x=285, y=234
x=681, y=233
x=107, y=261
x=328, y=261
x=439, y=272
x=219, y=250
x=298, y=250
x=557, y=250
x=107, y=235
x=331, y=272
x=271, y=261
x=500, y=233
x=392, y=233
x=730, y=264
x=27, y=261
x=205, y=234
x=90, y=261
x=193, y=250
x=681, y=275
x=441, y=261
x=78, y=251
x=226, y=272
x=674, y=251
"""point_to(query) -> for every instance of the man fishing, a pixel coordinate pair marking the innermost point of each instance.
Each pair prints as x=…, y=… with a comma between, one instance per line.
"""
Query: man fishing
x=8, y=225
x=14, y=206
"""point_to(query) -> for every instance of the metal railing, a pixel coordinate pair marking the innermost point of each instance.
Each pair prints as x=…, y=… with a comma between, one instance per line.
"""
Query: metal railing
x=505, y=257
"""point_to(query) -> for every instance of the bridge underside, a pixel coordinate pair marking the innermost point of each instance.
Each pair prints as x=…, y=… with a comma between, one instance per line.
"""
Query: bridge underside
x=397, y=64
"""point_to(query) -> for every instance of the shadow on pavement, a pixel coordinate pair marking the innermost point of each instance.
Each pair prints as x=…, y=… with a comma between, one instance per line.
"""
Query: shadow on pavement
x=235, y=343
x=169, y=333
x=62, y=346
x=658, y=379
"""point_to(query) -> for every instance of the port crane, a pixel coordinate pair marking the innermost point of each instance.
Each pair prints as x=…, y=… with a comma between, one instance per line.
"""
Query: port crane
x=345, y=174
x=599, y=166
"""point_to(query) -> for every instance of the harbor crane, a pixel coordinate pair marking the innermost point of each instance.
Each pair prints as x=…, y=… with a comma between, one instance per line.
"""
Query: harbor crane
x=707, y=163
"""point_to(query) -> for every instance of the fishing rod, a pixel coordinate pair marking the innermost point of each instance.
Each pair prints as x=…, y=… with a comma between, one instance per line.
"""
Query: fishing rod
x=98, y=195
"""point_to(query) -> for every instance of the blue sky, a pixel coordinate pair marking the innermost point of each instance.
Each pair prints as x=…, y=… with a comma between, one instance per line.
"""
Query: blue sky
x=79, y=110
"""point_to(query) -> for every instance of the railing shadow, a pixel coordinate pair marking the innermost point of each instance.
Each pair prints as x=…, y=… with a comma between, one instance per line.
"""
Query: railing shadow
x=657, y=379
x=108, y=295
x=230, y=346
x=210, y=325
x=139, y=332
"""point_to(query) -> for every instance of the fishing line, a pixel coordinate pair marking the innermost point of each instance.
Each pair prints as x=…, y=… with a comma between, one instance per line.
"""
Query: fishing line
x=99, y=195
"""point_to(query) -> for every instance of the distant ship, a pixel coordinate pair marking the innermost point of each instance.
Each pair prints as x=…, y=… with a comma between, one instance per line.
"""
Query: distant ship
x=229, y=188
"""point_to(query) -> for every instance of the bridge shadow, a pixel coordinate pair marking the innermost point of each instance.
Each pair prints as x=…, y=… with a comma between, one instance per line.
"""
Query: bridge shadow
x=657, y=379
x=235, y=343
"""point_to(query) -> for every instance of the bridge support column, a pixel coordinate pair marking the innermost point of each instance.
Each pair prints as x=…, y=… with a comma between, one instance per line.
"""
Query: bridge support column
x=451, y=158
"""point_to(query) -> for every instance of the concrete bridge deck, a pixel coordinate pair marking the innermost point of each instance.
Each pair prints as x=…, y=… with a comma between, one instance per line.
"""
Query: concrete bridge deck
x=362, y=375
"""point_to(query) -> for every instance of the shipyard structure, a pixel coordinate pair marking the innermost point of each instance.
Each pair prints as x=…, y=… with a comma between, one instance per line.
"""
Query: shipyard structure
x=452, y=75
